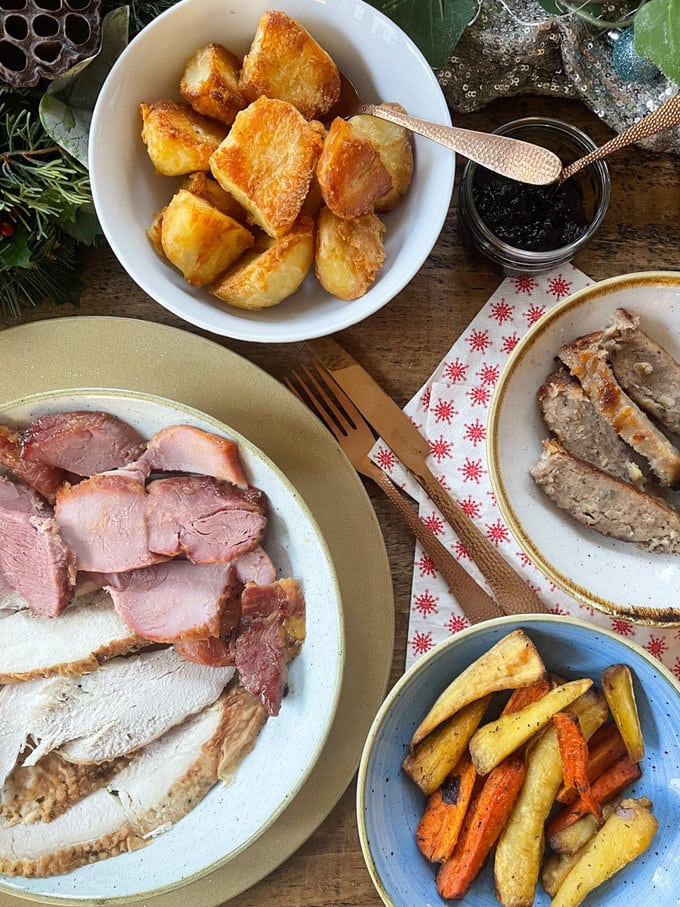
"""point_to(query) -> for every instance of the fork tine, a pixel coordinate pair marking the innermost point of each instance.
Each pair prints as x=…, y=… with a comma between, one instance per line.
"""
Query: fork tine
x=305, y=395
x=326, y=387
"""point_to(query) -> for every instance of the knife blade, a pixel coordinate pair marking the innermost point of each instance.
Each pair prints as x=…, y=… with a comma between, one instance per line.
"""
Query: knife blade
x=509, y=589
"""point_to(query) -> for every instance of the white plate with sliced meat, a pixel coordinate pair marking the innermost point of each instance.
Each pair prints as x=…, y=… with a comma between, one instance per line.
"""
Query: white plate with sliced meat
x=584, y=446
x=171, y=645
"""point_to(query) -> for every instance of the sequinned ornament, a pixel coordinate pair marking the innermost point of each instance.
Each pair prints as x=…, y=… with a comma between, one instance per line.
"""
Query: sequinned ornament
x=627, y=64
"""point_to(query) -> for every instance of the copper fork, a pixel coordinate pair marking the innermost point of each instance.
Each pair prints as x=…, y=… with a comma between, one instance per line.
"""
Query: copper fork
x=318, y=391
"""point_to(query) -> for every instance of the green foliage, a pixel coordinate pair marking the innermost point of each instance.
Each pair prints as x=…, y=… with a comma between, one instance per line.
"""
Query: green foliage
x=434, y=25
x=657, y=35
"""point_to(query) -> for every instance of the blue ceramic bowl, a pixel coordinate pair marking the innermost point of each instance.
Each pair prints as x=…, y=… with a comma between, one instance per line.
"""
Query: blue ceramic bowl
x=389, y=805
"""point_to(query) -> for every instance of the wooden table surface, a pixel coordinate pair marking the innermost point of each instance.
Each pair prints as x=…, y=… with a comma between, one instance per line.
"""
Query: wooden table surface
x=400, y=346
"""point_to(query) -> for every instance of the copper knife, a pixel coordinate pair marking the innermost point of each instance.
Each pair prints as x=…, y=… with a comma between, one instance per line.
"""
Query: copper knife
x=510, y=590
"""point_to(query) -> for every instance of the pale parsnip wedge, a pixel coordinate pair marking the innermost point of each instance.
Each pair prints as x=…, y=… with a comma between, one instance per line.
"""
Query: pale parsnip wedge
x=497, y=739
x=513, y=662
x=567, y=841
x=626, y=834
x=617, y=686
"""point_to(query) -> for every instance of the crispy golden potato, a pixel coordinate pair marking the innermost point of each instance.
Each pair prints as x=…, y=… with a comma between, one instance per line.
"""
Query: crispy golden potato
x=200, y=240
x=154, y=232
x=285, y=62
x=205, y=187
x=266, y=162
x=178, y=140
x=210, y=83
x=350, y=172
x=272, y=271
x=617, y=686
x=348, y=254
x=395, y=146
x=511, y=663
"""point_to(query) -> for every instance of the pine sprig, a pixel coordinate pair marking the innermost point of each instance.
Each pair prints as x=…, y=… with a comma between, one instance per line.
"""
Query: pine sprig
x=54, y=275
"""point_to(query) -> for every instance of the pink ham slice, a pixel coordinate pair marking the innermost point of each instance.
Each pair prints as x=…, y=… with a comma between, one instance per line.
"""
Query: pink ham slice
x=206, y=519
x=34, y=558
x=82, y=442
x=177, y=600
x=103, y=519
x=255, y=567
x=183, y=448
x=270, y=633
x=45, y=479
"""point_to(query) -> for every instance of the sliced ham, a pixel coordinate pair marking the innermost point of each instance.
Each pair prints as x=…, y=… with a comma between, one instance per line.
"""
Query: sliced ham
x=103, y=519
x=82, y=442
x=160, y=786
x=255, y=566
x=271, y=631
x=122, y=706
x=177, y=599
x=183, y=448
x=45, y=479
x=35, y=560
x=206, y=519
x=87, y=633
x=216, y=651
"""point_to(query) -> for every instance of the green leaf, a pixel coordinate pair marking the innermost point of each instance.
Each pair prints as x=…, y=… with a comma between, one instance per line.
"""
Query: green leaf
x=83, y=226
x=14, y=250
x=434, y=25
x=657, y=35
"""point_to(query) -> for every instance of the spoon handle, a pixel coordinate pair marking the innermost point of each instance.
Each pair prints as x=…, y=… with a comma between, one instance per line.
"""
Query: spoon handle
x=510, y=157
x=664, y=117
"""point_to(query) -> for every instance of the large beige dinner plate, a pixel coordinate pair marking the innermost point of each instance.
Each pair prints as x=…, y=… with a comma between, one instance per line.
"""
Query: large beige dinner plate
x=102, y=352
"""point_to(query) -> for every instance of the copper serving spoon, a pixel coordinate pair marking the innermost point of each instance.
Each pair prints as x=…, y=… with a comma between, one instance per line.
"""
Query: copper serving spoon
x=510, y=157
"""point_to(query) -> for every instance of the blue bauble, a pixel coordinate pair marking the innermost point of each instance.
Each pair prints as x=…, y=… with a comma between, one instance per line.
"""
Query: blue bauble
x=627, y=64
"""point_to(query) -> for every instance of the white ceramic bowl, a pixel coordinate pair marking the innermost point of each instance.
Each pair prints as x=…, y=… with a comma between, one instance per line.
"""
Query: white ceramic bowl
x=614, y=577
x=383, y=63
x=231, y=816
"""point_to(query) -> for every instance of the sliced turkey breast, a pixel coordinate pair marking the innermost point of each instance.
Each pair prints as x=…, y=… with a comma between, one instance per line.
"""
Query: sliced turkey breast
x=82, y=442
x=123, y=705
x=34, y=558
x=87, y=633
x=45, y=479
x=183, y=448
x=204, y=518
x=16, y=700
x=177, y=599
x=588, y=362
x=103, y=519
x=160, y=786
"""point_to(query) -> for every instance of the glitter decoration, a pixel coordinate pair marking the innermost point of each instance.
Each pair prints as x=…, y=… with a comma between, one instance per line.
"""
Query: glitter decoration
x=515, y=47
x=626, y=62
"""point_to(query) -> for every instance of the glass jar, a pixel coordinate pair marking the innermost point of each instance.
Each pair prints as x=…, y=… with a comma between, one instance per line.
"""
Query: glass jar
x=593, y=184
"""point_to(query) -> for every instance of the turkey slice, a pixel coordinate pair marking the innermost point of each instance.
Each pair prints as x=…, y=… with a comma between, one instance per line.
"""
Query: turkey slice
x=163, y=782
x=87, y=633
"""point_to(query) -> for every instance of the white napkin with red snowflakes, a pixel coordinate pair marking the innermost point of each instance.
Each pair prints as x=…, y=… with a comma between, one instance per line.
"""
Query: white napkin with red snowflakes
x=451, y=410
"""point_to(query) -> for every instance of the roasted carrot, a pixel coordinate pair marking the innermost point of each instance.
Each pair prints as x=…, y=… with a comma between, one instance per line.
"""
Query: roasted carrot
x=524, y=696
x=483, y=824
x=440, y=824
x=574, y=755
x=608, y=785
x=604, y=748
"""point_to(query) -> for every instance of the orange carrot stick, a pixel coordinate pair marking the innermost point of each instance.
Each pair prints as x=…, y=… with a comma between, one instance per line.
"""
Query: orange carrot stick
x=524, y=696
x=483, y=823
x=440, y=824
x=608, y=785
x=574, y=754
x=604, y=748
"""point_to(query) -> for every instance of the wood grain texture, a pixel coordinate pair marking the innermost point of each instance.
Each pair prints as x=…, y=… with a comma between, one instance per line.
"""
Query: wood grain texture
x=401, y=345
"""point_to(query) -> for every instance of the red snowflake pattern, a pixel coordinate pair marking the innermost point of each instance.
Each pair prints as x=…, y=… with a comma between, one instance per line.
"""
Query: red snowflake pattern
x=479, y=396
x=385, y=458
x=488, y=374
x=492, y=497
x=558, y=609
x=461, y=551
x=426, y=397
x=497, y=532
x=421, y=643
x=441, y=449
x=509, y=343
x=501, y=311
x=471, y=507
x=524, y=560
x=456, y=623
x=426, y=566
x=533, y=313
x=455, y=372
x=622, y=627
x=524, y=283
x=656, y=646
x=444, y=411
x=475, y=432
x=676, y=668
x=472, y=470
x=434, y=523
x=559, y=287
x=478, y=341
x=426, y=603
